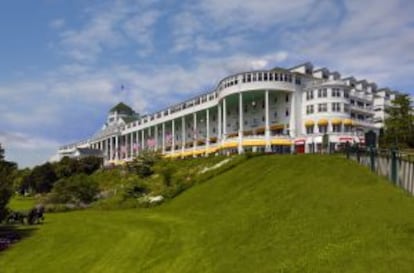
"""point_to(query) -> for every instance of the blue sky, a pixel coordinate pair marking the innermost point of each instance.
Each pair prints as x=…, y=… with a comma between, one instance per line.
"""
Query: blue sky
x=62, y=63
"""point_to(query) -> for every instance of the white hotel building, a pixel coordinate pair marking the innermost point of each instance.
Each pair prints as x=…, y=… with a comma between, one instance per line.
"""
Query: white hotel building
x=278, y=110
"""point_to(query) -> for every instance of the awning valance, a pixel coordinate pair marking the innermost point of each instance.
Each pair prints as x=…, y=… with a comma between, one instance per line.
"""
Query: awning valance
x=309, y=123
x=323, y=122
x=336, y=121
x=347, y=121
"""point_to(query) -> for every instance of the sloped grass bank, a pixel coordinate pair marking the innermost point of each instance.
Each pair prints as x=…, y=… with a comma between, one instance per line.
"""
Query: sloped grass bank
x=268, y=214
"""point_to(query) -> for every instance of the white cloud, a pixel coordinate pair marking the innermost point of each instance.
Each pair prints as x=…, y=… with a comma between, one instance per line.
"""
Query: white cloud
x=140, y=29
x=27, y=150
x=57, y=23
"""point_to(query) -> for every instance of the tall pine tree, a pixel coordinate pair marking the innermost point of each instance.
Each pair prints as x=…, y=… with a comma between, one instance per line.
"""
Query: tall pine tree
x=6, y=177
x=399, y=125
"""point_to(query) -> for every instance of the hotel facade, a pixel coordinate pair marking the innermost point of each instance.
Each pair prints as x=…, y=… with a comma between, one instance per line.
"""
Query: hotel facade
x=278, y=110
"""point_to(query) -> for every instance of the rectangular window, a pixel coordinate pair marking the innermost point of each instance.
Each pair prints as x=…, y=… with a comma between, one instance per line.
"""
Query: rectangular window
x=309, y=95
x=270, y=76
x=309, y=109
x=265, y=76
x=336, y=128
x=323, y=129
x=287, y=112
x=346, y=108
x=336, y=107
x=322, y=107
x=260, y=77
x=336, y=92
x=346, y=94
x=309, y=130
x=287, y=98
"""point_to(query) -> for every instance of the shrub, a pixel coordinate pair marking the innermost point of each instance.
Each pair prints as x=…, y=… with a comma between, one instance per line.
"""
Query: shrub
x=74, y=189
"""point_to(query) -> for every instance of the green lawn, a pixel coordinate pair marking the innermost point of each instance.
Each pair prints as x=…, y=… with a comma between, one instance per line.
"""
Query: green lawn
x=269, y=214
x=22, y=203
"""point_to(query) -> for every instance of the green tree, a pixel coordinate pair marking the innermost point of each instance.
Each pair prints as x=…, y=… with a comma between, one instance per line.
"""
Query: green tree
x=399, y=125
x=42, y=178
x=75, y=189
x=7, y=170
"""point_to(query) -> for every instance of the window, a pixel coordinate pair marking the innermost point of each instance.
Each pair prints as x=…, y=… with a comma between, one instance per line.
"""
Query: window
x=323, y=129
x=346, y=108
x=309, y=130
x=263, y=118
x=347, y=128
x=249, y=78
x=322, y=93
x=254, y=77
x=346, y=94
x=336, y=107
x=287, y=98
x=287, y=112
x=336, y=128
x=275, y=114
x=265, y=76
x=322, y=107
x=214, y=130
x=260, y=77
x=270, y=76
x=309, y=95
x=275, y=100
x=309, y=109
x=336, y=92
x=276, y=77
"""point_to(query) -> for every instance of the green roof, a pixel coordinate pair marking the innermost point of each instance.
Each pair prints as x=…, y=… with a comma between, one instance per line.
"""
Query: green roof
x=122, y=108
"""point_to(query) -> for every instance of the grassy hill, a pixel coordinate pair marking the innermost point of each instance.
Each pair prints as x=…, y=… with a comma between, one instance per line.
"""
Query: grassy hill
x=268, y=214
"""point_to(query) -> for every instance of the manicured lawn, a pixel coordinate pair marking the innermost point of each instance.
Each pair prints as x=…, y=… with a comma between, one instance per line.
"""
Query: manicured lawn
x=22, y=203
x=269, y=214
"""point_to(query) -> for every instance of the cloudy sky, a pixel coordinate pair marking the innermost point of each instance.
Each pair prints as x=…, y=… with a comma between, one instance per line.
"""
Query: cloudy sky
x=62, y=63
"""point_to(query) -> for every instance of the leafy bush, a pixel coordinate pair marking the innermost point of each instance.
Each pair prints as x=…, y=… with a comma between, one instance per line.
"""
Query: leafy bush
x=75, y=189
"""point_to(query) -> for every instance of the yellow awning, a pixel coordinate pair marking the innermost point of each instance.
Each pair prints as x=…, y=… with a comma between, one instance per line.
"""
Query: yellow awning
x=260, y=130
x=254, y=142
x=285, y=142
x=199, y=152
x=323, y=122
x=347, y=121
x=232, y=144
x=277, y=127
x=211, y=150
x=309, y=123
x=336, y=121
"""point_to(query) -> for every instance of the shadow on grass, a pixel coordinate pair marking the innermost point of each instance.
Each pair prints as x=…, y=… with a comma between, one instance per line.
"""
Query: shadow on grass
x=11, y=234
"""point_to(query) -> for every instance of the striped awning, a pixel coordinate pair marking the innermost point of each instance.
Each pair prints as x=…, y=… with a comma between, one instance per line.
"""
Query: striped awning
x=323, y=122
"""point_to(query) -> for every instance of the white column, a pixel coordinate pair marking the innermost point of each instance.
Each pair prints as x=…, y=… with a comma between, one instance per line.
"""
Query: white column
x=110, y=147
x=137, y=142
x=173, y=136
x=149, y=137
x=267, y=122
x=117, y=147
x=182, y=134
x=195, y=131
x=131, y=143
x=219, y=132
x=163, y=137
x=207, y=128
x=292, y=121
x=241, y=120
x=142, y=140
x=224, y=119
x=156, y=137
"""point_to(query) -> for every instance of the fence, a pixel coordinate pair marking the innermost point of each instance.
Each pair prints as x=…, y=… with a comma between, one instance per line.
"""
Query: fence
x=396, y=166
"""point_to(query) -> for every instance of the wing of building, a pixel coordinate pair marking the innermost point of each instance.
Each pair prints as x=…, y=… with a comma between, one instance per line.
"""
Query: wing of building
x=278, y=110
